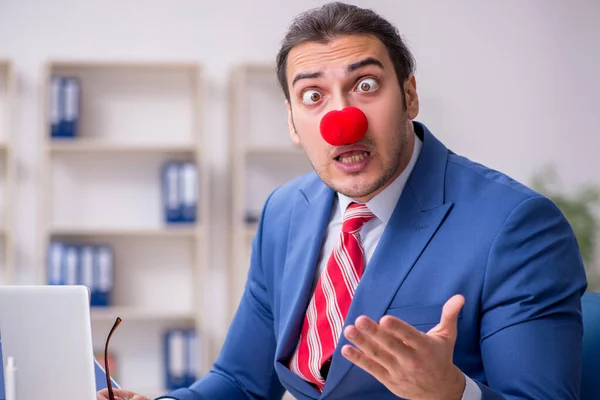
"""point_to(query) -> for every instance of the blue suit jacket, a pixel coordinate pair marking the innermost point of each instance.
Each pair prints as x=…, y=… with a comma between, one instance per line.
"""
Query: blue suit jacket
x=458, y=227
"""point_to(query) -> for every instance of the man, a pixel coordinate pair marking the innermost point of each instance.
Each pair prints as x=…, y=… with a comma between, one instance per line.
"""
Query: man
x=397, y=269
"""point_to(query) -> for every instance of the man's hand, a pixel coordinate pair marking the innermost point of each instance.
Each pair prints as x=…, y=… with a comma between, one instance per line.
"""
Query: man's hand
x=120, y=394
x=410, y=363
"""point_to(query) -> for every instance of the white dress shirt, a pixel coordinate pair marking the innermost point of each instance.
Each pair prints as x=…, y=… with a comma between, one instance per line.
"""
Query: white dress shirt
x=382, y=205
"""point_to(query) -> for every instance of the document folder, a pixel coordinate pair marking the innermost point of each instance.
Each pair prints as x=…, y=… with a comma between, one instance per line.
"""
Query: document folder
x=175, y=359
x=55, y=261
x=188, y=174
x=171, y=193
x=70, y=117
x=65, y=101
x=102, y=294
x=56, y=107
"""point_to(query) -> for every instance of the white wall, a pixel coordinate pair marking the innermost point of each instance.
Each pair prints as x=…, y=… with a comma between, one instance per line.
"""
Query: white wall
x=512, y=84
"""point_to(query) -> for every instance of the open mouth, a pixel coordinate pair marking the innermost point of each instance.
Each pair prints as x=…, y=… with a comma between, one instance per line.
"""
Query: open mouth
x=351, y=157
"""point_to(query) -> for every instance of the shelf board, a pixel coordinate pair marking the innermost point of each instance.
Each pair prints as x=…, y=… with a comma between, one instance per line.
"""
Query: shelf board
x=150, y=65
x=100, y=146
x=175, y=231
x=274, y=150
x=253, y=67
x=109, y=314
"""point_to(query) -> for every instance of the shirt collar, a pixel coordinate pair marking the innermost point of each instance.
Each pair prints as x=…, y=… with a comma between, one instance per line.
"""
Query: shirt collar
x=383, y=204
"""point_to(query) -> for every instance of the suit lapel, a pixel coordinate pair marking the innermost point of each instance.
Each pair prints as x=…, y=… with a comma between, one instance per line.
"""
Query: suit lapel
x=309, y=221
x=417, y=216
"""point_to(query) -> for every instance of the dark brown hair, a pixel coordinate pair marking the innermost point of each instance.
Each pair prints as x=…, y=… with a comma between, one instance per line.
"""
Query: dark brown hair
x=339, y=19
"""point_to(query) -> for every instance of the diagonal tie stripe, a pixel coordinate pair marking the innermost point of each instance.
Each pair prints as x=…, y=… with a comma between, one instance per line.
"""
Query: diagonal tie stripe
x=331, y=300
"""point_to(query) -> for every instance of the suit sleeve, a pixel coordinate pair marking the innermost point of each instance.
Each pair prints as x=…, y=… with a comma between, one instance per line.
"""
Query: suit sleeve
x=245, y=366
x=531, y=324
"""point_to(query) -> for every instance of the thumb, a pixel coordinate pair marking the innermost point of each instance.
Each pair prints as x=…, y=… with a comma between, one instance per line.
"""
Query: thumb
x=447, y=326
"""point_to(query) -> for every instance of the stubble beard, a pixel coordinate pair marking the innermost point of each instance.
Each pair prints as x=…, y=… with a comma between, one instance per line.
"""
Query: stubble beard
x=389, y=172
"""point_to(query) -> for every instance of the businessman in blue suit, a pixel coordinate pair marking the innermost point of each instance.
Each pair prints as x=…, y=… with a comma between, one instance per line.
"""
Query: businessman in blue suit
x=471, y=282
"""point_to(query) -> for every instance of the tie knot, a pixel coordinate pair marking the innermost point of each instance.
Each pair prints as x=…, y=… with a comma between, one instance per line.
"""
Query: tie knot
x=355, y=217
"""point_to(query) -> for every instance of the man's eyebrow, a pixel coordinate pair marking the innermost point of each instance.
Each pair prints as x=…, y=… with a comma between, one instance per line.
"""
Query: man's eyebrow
x=364, y=63
x=351, y=68
x=312, y=75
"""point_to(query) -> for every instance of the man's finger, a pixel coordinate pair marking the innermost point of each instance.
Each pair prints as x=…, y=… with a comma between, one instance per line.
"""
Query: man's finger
x=363, y=361
x=408, y=334
x=120, y=393
x=123, y=393
x=369, y=346
x=448, y=321
x=386, y=339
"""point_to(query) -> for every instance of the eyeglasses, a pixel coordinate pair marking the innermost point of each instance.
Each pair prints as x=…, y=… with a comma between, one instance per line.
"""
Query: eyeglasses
x=111, y=395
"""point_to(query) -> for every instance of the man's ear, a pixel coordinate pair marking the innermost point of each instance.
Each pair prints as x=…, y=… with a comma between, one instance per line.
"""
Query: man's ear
x=412, y=98
x=291, y=127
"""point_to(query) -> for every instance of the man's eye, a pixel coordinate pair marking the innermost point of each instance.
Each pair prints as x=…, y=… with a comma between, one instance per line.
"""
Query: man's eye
x=367, y=85
x=311, y=97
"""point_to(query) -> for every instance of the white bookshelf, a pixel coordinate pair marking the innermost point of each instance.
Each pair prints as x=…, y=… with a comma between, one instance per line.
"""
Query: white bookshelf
x=103, y=187
x=263, y=157
x=159, y=232
x=7, y=172
x=139, y=314
x=99, y=146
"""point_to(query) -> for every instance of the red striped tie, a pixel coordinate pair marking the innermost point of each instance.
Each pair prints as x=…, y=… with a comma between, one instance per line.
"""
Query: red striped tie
x=331, y=300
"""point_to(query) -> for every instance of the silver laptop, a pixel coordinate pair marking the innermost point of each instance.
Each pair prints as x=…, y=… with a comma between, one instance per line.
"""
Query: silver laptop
x=47, y=330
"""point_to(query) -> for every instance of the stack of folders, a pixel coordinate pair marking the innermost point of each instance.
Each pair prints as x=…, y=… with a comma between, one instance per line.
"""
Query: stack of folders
x=89, y=265
x=179, y=181
x=65, y=102
x=181, y=358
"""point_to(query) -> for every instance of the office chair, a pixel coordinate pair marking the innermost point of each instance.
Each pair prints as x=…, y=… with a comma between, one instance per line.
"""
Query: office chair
x=590, y=383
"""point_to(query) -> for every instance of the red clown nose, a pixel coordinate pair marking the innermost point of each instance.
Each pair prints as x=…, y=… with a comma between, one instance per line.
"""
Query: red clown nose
x=343, y=127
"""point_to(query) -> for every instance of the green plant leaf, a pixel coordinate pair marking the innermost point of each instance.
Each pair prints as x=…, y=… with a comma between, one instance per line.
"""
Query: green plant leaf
x=580, y=208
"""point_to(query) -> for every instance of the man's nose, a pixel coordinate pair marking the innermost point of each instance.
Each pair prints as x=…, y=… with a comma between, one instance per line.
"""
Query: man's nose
x=339, y=102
